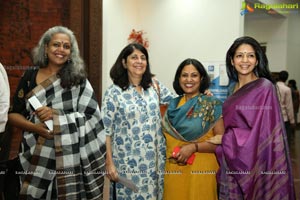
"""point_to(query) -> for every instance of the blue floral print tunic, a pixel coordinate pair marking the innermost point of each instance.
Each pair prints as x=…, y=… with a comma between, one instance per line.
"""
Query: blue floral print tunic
x=133, y=121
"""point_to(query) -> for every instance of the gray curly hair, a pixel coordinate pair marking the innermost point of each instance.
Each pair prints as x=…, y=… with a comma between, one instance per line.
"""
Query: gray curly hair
x=73, y=72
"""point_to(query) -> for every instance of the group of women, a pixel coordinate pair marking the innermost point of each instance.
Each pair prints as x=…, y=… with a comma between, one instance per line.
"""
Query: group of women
x=239, y=148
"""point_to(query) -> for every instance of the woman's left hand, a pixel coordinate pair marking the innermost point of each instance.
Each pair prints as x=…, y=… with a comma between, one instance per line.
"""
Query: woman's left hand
x=44, y=113
x=185, y=152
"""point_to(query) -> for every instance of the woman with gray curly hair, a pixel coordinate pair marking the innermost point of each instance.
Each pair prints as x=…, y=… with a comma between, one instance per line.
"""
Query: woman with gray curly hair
x=73, y=72
x=61, y=154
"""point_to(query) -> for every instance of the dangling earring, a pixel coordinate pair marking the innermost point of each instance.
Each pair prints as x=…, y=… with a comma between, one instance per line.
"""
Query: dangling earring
x=233, y=68
x=255, y=71
x=46, y=58
x=124, y=64
x=69, y=60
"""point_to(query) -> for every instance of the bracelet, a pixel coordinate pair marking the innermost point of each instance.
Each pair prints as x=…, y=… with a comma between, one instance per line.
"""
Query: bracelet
x=196, y=145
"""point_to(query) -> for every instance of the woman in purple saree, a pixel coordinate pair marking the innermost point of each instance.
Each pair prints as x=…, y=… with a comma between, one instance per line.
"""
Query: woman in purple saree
x=253, y=157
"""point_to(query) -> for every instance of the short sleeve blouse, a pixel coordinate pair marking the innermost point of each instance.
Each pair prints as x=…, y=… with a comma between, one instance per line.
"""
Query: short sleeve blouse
x=26, y=84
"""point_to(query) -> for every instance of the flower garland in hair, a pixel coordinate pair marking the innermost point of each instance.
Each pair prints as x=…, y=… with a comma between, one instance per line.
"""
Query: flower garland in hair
x=137, y=36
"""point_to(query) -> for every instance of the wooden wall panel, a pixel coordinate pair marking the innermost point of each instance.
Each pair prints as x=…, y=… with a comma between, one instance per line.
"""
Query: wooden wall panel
x=86, y=22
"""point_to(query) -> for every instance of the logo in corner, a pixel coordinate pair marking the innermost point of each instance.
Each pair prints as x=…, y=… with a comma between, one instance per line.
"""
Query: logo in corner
x=246, y=8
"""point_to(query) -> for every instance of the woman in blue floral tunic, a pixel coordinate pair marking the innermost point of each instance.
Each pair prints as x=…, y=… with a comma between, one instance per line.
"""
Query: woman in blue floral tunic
x=131, y=117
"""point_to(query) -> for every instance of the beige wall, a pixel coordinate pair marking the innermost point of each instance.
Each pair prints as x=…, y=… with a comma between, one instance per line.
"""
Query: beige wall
x=176, y=29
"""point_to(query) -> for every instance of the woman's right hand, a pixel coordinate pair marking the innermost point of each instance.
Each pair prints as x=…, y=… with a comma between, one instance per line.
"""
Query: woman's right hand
x=217, y=139
x=111, y=171
x=19, y=121
x=43, y=131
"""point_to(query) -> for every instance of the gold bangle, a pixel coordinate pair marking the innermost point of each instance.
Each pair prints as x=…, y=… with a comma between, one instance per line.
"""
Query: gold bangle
x=196, y=145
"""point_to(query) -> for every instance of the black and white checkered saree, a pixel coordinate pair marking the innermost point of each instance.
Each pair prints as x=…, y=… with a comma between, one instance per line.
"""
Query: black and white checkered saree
x=71, y=165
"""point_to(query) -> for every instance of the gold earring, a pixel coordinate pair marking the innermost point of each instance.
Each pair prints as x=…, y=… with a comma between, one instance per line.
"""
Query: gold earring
x=124, y=64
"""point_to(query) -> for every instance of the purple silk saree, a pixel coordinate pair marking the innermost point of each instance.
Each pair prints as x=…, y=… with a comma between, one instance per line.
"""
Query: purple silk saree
x=253, y=157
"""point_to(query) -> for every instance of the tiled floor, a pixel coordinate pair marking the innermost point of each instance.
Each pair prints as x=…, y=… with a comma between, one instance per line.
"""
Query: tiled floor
x=295, y=158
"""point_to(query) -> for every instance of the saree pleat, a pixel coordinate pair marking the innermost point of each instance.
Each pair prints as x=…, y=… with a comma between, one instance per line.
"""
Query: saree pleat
x=191, y=181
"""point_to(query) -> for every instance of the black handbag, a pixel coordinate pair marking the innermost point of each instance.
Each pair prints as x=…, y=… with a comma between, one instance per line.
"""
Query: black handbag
x=9, y=179
x=5, y=140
